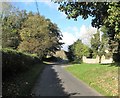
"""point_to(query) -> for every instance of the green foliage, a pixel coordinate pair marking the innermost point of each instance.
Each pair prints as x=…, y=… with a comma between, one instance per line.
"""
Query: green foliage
x=98, y=10
x=39, y=36
x=113, y=19
x=77, y=50
x=112, y=23
x=95, y=43
x=29, y=32
x=70, y=53
x=99, y=46
x=105, y=14
x=14, y=62
x=11, y=24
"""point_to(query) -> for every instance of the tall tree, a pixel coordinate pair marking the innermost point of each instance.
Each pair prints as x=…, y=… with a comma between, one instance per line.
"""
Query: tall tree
x=112, y=24
x=99, y=44
x=95, y=43
x=39, y=36
x=11, y=24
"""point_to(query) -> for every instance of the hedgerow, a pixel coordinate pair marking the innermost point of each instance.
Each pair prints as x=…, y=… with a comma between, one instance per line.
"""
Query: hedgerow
x=14, y=62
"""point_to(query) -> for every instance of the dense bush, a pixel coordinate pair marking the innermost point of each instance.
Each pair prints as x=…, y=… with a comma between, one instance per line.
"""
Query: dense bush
x=14, y=61
x=77, y=50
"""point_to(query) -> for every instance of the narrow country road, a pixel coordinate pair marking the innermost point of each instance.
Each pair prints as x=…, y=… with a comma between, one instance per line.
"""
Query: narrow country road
x=55, y=81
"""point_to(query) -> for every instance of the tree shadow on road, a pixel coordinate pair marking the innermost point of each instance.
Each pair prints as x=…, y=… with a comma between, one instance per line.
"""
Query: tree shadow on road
x=49, y=83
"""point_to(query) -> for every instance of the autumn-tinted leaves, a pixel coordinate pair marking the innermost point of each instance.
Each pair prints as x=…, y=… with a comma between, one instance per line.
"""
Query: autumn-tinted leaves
x=31, y=33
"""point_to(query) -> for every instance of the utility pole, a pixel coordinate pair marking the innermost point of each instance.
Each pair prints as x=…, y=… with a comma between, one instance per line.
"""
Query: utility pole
x=37, y=7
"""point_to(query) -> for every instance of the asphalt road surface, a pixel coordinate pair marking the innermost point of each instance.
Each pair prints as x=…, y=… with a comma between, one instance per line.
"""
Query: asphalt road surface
x=55, y=81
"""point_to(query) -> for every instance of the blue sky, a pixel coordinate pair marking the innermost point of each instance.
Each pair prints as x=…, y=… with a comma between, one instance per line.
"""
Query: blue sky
x=71, y=30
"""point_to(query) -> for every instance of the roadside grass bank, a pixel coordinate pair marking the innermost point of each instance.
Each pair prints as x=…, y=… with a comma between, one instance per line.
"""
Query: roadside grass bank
x=22, y=84
x=103, y=78
x=19, y=72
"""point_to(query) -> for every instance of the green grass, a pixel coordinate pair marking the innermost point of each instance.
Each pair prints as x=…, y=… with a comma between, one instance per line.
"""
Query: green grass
x=103, y=78
x=22, y=84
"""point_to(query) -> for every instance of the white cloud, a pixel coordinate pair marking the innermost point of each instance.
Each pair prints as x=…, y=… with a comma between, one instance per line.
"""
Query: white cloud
x=68, y=39
x=84, y=33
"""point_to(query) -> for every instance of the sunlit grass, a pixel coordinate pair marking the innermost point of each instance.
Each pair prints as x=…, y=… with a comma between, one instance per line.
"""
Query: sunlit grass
x=103, y=78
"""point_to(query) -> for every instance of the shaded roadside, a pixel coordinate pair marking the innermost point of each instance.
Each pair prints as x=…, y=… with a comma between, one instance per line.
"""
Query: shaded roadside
x=49, y=84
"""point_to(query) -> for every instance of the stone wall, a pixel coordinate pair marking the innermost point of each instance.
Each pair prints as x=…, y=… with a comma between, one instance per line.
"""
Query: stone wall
x=106, y=61
x=90, y=60
x=96, y=60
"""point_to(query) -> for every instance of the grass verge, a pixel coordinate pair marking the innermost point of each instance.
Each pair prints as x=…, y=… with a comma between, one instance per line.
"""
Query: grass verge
x=21, y=84
x=103, y=78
